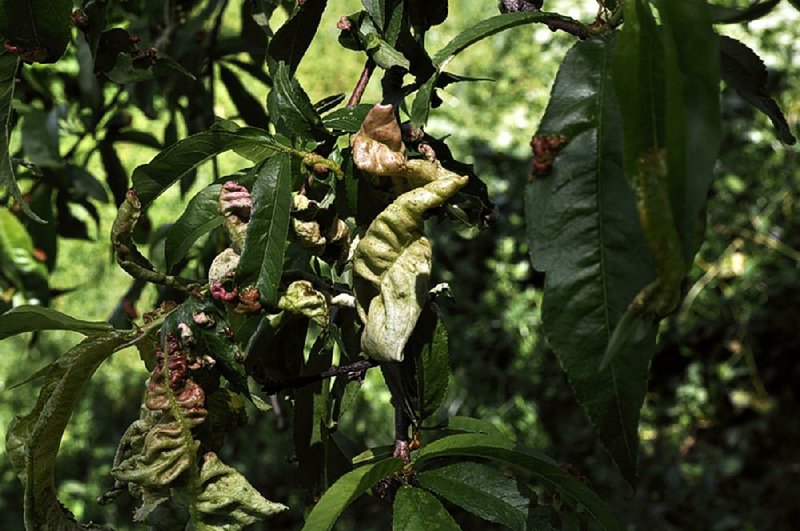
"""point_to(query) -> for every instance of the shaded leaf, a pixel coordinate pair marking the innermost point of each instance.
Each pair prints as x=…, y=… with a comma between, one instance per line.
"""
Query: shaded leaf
x=743, y=70
x=35, y=318
x=250, y=109
x=541, y=466
x=481, y=490
x=292, y=40
x=261, y=263
x=733, y=15
x=40, y=29
x=416, y=509
x=432, y=369
x=345, y=491
x=40, y=138
x=584, y=233
x=8, y=75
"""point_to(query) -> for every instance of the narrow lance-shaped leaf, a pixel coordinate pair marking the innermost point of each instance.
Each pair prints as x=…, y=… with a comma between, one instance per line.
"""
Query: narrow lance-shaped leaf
x=432, y=371
x=35, y=318
x=290, y=103
x=417, y=509
x=250, y=109
x=542, y=467
x=152, y=179
x=8, y=75
x=261, y=263
x=32, y=441
x=743, y=70
x=481, y=490
x=200, y=216
x=292, y=40
x=693, y=116
x=733, y=15
x=583, y=232
x=345, y=491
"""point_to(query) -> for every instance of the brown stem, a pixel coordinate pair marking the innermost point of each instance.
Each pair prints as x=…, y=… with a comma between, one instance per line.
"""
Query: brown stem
x=354, y=371
x=361, y=86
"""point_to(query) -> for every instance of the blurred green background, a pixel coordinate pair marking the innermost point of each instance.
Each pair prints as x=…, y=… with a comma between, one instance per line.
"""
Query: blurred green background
x=720, y=437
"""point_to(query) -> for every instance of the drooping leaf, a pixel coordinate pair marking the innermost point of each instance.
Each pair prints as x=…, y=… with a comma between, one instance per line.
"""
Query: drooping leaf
x=734, y=15
x=486, y=28
x=481, y=490
x=250, y=109
x=743, y=70
x=290, y=103
x=693, y=116
x=200, y=217
x=292, y=40
x=422, y=103
x=425, y=14
x=39, y=29
x=227, y=500
x=542, y=467
x=40, y=137
x=262, y=258
x=34, y=318
x=8, y=75
x=151, y=179
x=583, y=232
x=32, y=441
x=432, y=369
x=345, y=491
x=416, y=509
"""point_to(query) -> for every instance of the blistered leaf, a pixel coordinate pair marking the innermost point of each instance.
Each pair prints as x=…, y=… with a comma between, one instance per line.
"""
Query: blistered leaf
x=392, y=262
x=303, y=299
x=227, y=500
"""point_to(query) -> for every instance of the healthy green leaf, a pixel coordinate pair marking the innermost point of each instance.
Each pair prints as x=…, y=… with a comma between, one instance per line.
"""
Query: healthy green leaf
x=422, y=103
x=345, y=491
x=250, y=109
x=743, y=70
x=481, y=490
x=584, y=233
x=414, y=509
x=40, y=29
x=34, y=318
x=151, y=179
x=472, y=425
x=347, y=119
x=432, y=372
x=262, y=258
x=17, y=260
x=509, y=453
x=733, y=15
x=200, y=216
x=291, y=41
x=40, y=138
x=693, y=116
x=291, y=104
x=8, y=73
x=487, y=28
x=33, y=441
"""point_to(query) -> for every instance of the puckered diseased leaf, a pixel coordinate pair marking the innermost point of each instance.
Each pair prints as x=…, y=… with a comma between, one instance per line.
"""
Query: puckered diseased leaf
x=302, y=298
x=392, y=262
x=227, y=500
x=33, y=441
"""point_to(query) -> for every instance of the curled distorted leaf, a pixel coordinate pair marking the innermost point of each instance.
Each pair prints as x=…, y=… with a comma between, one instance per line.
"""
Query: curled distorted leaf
x=319, y=230
x=392, y=263
x=302, y=298
x=236, y=204
x=227, y=500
